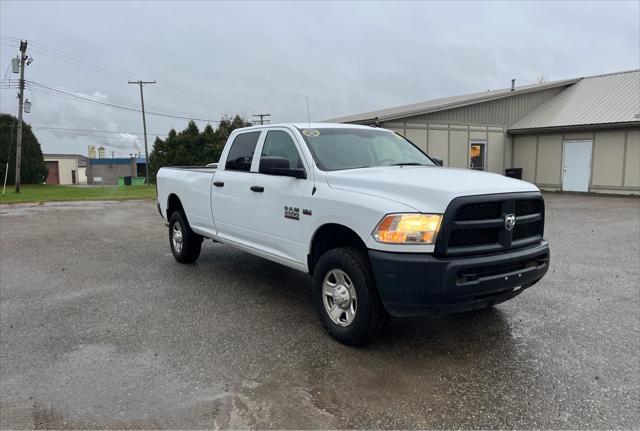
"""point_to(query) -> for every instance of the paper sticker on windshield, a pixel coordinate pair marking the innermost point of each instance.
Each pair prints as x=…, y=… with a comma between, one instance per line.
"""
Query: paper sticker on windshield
x=312, y=133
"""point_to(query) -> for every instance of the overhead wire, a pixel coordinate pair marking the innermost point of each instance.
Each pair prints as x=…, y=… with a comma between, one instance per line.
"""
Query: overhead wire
x=68, y=129
x=117, y=72
x=70, y=57
x=101, y=101
x=108, y=70
x=109, y=99
x=121, y=104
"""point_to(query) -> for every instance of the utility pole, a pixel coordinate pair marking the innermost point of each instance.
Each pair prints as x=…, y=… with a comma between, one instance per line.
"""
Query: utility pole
x=262, y=117
x=144, y=126
x=23, y=59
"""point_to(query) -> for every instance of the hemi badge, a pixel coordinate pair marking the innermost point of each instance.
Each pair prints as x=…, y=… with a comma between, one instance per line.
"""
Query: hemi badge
x=306, y=212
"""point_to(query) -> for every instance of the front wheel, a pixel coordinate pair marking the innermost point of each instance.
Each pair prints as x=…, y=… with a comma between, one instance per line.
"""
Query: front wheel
x=346, y=298
x=185, y=244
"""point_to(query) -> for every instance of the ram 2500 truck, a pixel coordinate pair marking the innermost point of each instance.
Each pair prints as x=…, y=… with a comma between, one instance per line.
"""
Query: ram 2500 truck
x=382, y=228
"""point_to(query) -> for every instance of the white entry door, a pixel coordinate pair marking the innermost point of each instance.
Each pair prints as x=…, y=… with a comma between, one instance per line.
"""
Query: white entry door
x=576, y=171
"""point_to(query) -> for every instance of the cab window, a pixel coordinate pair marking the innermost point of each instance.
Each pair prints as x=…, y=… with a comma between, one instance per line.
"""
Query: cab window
x=279, y=144
x=241, y=152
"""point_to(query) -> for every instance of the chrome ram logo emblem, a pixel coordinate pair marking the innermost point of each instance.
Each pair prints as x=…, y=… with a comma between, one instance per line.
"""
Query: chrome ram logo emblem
x=509, y=221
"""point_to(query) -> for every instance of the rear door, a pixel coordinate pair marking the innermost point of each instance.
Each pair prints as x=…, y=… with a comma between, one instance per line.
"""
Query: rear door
x=230, y=190
x=576, y=171
x=277, y=215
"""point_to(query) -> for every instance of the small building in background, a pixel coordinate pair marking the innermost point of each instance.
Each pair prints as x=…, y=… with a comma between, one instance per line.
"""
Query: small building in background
x=109, y=171
x=66, y=169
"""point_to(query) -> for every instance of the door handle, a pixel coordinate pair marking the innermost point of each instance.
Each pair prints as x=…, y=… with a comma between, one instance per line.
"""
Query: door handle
x=258, y=189
x=218, y=183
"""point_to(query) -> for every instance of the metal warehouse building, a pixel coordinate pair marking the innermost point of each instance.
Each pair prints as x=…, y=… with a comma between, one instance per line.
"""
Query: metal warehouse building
x=579, y=134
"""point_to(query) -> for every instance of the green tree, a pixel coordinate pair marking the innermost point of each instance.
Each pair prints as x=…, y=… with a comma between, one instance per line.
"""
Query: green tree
x=191, y=147
x=32, y=167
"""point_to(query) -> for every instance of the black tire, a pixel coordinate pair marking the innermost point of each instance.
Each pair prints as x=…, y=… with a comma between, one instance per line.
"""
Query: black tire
x=191, y=242
x=370, y=316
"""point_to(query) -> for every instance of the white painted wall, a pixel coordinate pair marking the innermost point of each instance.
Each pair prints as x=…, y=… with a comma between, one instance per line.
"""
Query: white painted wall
x=65, y=166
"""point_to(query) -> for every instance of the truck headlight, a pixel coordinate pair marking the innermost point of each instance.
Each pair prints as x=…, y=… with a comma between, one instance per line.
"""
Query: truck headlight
x=408, y=229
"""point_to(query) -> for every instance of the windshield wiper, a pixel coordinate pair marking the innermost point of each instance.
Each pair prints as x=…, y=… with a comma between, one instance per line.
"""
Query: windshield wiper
x=408, y=164
x=356, y=167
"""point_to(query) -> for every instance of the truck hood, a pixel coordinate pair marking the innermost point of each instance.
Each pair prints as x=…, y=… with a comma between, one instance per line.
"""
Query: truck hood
x=424, y=188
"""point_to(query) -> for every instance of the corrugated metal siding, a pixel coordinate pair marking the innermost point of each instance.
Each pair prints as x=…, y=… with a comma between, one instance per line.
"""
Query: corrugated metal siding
x=504, y=111
x=606, y=99
x=448, y=103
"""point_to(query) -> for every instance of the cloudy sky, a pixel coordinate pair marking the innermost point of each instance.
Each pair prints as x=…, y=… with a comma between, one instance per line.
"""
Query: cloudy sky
x=216, y=58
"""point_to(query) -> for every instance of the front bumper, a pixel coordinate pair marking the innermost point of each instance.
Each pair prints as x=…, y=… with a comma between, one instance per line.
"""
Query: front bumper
x=413, y=284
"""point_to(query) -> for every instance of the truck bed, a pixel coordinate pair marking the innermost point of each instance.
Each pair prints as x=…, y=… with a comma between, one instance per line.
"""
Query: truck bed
x=193, y=168
x=193, y=186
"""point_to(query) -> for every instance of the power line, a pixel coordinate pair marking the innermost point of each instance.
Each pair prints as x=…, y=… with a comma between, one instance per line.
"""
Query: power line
x=67, y=129
x=108, y=102
x=71, y=58
x=89, y=99
x=47, y=90
x=197, y=98
x=116, y=72
x=70, y=129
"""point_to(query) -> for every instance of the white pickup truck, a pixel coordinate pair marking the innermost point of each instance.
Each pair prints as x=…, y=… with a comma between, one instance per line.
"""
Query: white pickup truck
x=378, y=224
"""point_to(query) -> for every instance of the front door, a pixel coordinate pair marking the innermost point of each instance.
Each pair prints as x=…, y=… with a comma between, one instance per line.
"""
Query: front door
x=231, y=188
x=277, y=214
x=52, y=176
x=576, y=170
x=477, y=155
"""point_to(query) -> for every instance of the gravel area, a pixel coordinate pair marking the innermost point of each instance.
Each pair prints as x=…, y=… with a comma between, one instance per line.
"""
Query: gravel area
x=100, y=327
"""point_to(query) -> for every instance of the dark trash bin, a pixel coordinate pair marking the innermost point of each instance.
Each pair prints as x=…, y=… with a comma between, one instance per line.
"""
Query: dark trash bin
x=514, y=173
x=127, y=181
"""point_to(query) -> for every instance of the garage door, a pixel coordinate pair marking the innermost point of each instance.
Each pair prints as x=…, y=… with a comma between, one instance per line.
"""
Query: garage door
x=53, y=177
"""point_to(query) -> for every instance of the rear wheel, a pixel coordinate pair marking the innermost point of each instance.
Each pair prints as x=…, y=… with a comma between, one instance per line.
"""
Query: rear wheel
x=346, y=298
x=185, y=244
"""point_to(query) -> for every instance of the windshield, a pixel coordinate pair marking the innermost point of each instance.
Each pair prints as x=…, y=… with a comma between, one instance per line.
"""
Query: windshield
x=346, y=148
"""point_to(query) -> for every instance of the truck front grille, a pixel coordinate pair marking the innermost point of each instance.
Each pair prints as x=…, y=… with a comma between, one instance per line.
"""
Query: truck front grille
x=471, y=237
x=477, y=224
x=526, y=230
x=527, y=206
x=478, y=211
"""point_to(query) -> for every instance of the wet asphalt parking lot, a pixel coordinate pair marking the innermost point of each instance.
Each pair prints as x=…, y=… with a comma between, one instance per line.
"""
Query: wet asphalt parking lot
x=101, y=328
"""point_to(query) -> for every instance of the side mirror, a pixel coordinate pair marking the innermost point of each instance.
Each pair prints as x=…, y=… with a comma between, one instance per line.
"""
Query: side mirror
x=274, y=165
x=438, y=161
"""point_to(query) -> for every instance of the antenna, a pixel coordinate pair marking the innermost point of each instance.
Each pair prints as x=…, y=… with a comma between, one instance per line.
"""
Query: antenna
x=308, y=116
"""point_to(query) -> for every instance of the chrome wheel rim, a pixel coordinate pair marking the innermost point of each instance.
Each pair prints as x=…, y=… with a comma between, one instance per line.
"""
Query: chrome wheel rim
x=176, y=237
x=339, y=297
